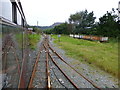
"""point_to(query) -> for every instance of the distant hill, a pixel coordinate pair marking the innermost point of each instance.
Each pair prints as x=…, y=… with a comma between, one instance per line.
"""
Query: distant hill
x=56, y=24
x=49, y=27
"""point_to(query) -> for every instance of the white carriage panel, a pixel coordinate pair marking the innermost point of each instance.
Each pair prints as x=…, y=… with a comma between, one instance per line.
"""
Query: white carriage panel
x=77, y=36
x=104, y=39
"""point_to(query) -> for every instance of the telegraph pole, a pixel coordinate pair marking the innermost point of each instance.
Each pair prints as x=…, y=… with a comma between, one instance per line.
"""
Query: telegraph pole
x=37, y=24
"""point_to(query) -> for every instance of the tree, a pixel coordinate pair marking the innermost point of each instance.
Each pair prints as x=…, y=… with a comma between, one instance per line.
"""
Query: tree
x=61, y=29
x=49, y=31
x=82, y=20
x=108, y=25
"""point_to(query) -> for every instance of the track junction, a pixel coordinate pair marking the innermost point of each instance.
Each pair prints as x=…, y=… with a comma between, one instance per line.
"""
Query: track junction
x=48, y=73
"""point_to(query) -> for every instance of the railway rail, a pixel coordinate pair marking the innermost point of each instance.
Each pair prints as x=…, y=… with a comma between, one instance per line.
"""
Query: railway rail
x=9, y=45
x=41, y=69
x=7, y=49
x=62, y=60
x=41, y=61
x=47, y=72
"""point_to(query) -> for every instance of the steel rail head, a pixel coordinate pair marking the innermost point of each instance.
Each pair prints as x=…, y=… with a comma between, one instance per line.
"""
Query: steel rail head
x=34, y=69
x=35, y=66
x=63, y=73
x=47, y=66
x=73, y=68
x=48, y=73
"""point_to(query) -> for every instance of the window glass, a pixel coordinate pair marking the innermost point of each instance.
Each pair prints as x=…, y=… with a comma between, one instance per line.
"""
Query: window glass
x=6, y=9
x=0, y=8
x=18, y=17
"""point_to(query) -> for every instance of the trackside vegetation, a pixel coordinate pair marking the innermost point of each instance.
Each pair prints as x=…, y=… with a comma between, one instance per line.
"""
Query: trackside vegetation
x=19, y=39
x=32, y=39
x=83, y=22
x=101, y=55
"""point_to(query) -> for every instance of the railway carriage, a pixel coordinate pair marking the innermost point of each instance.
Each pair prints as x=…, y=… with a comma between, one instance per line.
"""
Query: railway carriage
x=12, y=25
x=87, y=37
x=90, y=37
x=95, y=38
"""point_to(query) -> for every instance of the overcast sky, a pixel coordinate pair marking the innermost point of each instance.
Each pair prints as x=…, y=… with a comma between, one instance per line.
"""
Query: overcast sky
x=46, y=12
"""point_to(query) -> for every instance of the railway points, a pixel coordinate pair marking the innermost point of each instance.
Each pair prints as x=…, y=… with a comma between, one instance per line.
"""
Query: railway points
x=47, y=72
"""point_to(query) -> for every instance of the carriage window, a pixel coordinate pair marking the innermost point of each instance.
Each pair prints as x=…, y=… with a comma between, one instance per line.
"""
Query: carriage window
x=0, y=9
x=19, y=18
x=6, y=9
x=22, y=22
x=14, y=12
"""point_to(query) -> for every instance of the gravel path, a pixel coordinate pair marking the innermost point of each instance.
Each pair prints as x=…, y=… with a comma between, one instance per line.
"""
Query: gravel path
x=99, y=77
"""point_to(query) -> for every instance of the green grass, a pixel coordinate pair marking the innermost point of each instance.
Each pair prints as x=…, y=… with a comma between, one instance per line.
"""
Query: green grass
x=19, y=38
x=33, y=40
x=102, y=55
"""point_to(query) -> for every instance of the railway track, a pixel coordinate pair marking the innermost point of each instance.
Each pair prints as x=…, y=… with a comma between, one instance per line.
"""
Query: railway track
x=9, y=50
x=41, y=77
x=9, y=45
x=61, y=60
x=49, y=73
x=40, y=72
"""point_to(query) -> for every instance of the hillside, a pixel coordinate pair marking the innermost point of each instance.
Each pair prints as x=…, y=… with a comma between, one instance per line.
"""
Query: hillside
x=49, y=27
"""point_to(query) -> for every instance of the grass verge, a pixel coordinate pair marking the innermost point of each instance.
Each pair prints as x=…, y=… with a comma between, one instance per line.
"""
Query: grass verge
x=19, y=38
x=32, y=39
x=102, y=55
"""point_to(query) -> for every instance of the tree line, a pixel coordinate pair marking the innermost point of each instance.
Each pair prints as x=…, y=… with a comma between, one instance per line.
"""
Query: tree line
x=83, y=22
